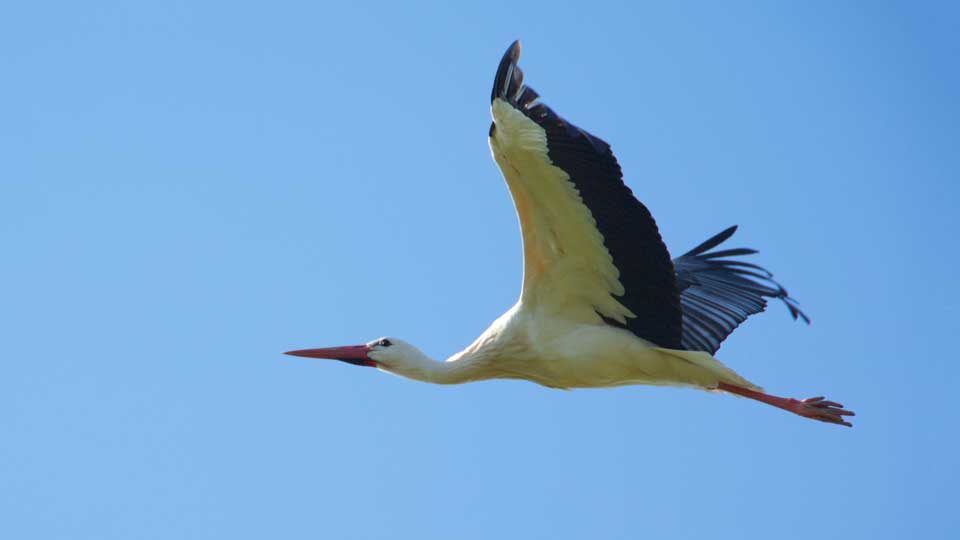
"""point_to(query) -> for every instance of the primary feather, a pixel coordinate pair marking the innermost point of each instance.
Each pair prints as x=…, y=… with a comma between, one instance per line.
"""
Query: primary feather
x=717, y=293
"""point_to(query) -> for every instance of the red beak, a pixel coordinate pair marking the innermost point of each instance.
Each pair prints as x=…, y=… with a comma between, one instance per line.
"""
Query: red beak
x=353, y=354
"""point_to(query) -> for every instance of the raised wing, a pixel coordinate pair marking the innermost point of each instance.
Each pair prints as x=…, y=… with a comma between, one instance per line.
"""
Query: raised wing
x=718, y=293
x=592, y=252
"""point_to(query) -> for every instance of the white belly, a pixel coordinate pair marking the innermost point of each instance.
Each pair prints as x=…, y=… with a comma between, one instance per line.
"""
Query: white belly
x=592, y=356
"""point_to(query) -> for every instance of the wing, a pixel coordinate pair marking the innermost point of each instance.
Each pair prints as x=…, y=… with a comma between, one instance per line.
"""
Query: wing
x=592, y=252
x=718, y=293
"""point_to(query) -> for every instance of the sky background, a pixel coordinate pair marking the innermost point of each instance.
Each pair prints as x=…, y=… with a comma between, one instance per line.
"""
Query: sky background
x=189, y=189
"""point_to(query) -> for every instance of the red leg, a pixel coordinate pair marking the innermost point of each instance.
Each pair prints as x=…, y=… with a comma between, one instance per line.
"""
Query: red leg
x=816, y=408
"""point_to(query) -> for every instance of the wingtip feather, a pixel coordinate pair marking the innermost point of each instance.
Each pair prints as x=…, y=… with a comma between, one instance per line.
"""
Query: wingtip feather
x=509, y=78
x=716, y=286
x=713, y=241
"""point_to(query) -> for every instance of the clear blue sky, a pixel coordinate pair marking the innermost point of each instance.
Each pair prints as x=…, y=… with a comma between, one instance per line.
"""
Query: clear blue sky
x=189, y=189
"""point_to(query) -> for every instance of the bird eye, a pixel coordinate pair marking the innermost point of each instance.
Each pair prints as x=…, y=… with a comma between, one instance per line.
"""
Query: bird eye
x=384, y=343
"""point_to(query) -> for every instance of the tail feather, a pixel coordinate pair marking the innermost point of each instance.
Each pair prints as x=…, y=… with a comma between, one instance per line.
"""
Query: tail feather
x=707, y=372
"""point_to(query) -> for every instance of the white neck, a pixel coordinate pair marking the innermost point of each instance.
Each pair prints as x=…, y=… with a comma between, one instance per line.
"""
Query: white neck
x=459, y=369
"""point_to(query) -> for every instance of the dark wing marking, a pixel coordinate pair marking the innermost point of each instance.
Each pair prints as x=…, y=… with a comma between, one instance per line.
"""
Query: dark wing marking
x=629, y=232
x=718, y=293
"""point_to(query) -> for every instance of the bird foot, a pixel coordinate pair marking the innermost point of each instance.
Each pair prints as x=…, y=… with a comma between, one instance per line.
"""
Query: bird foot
x=817, y=408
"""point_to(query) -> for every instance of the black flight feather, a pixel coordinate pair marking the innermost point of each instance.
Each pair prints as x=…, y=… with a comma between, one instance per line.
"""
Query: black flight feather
x=718, y=294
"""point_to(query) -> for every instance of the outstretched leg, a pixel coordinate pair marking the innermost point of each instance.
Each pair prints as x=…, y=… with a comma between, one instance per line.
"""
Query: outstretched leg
x=816, y=408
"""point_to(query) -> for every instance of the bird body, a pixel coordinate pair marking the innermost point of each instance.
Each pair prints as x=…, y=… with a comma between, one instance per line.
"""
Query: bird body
x=601, y=304
x=562, y=353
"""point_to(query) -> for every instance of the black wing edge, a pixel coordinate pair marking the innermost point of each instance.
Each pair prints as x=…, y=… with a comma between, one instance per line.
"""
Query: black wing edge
x=508, y=86
x=717, y=292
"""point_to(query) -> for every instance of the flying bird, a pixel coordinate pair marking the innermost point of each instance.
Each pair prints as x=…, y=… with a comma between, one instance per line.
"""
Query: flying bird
x=602, y=304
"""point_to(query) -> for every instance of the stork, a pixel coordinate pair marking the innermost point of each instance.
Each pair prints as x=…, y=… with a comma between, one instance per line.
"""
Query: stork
x=601, y=302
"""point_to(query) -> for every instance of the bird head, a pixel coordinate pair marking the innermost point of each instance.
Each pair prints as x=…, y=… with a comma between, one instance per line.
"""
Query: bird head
x=387, y=353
